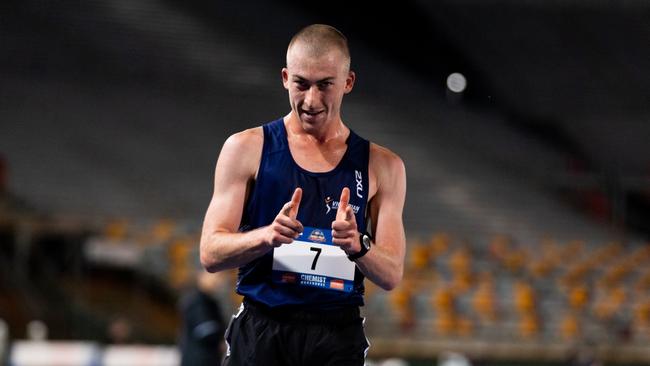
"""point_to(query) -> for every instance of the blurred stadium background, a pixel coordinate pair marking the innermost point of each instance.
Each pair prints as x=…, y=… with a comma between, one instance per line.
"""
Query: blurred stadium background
x=528, y=205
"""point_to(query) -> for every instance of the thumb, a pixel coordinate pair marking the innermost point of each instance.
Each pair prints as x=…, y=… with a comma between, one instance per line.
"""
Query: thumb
x=291, y=209
x=341, y=213
x=349, y=214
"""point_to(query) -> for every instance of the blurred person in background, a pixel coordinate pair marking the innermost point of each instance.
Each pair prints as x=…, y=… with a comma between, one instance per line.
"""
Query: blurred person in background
x=119, y=330
x=203, y=324
x=306, y=209
x=583, y=355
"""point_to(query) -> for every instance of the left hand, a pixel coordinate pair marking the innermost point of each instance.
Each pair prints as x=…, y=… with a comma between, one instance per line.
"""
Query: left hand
x=345, y=233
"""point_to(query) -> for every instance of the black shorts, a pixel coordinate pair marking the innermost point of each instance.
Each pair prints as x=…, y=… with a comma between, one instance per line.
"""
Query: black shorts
x=259, y=335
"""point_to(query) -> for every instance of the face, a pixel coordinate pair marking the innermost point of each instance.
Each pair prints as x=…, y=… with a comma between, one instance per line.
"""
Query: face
x=316, y=85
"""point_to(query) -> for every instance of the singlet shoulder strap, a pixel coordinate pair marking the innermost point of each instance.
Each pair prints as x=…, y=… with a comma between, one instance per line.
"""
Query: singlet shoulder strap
x=275, y=136
x=358, y=148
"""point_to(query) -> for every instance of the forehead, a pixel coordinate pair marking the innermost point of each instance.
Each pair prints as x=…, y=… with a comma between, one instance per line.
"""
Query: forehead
x=317, y=64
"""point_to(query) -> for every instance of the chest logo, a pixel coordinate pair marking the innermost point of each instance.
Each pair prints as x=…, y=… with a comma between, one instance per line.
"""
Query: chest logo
x=328, y=200
x=334, y=205
x=359, y=179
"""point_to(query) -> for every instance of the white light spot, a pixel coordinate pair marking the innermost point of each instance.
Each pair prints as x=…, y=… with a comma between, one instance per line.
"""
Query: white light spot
x=456, y=82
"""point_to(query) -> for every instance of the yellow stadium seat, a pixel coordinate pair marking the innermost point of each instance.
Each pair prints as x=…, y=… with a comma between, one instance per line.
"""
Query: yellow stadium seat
x=570, y=327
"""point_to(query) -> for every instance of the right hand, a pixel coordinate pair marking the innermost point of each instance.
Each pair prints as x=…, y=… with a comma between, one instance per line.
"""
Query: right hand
x=285, y=228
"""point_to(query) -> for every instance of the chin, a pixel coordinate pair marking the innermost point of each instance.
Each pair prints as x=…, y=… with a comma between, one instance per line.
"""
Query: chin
x=312, y=121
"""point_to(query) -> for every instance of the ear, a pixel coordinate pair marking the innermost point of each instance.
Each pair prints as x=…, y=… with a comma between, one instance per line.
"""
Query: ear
x=349, y=81
x=285, y=78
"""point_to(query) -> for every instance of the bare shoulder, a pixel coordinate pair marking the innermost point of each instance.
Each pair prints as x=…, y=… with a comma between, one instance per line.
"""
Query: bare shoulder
x=241, y=152
x=387, y=171
x=384, y=160
x=245, y=144
x=246, y=139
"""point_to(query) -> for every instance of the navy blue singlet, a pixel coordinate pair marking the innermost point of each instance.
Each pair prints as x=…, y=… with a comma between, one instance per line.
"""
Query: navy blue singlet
x=278, y=176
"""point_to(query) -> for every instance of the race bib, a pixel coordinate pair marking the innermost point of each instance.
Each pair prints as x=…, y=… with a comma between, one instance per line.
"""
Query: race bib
x=312, y=260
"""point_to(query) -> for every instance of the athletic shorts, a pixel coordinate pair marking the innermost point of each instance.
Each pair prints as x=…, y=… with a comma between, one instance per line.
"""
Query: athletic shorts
x=259, y=335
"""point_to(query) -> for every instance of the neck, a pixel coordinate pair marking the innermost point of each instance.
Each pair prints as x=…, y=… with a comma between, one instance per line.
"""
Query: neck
x=321, y=133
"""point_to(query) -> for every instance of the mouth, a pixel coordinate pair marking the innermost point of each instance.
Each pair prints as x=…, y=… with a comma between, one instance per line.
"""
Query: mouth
x=312, y=113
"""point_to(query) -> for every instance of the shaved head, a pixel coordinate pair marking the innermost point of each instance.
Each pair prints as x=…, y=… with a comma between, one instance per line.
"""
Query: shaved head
x=318, y=39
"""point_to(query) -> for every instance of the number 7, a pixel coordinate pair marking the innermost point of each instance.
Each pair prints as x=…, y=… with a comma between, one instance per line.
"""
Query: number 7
x=317, y=250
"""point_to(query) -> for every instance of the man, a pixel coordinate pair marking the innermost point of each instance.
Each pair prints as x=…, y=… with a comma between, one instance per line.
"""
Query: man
x=203, y=324
x=290, y=206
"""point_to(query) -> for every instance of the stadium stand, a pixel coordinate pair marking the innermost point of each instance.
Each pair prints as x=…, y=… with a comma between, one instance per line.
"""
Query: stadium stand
x=104, y=215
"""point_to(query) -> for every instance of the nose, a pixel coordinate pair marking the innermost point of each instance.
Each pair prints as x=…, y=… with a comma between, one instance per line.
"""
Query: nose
x=311, y=97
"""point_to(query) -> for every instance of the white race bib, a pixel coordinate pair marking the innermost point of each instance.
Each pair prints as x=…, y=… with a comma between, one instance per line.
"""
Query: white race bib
x=312, y=260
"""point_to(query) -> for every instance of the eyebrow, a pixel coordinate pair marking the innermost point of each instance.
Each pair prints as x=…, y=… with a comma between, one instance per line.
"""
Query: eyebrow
x=329, y=78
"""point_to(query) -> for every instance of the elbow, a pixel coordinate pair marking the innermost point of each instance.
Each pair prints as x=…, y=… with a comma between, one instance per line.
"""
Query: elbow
x=208, y=264
x=392, y=281
x=208, y=261
x=389, y=285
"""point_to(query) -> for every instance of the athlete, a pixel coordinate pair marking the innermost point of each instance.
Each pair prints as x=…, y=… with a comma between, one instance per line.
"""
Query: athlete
x=306, y=209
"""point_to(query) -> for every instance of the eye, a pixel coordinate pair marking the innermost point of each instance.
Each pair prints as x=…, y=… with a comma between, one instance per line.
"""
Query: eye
x=325, y=85
x=301, y=84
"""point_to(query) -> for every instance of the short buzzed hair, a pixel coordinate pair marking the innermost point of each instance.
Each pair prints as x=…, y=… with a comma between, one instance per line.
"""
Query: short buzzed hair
x=320, y=39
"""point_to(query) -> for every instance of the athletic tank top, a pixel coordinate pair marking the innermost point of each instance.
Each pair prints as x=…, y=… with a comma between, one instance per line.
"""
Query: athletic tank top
x=278, y=176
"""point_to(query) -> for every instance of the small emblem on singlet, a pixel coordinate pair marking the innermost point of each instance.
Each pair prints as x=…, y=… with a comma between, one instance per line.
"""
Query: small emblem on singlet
x=317, y=236
x=328, y=200
x=359, y=179
x=331, y=204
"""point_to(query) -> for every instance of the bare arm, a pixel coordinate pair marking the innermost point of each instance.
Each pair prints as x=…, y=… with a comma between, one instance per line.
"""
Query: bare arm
x=222, y=246
x=384, y=263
